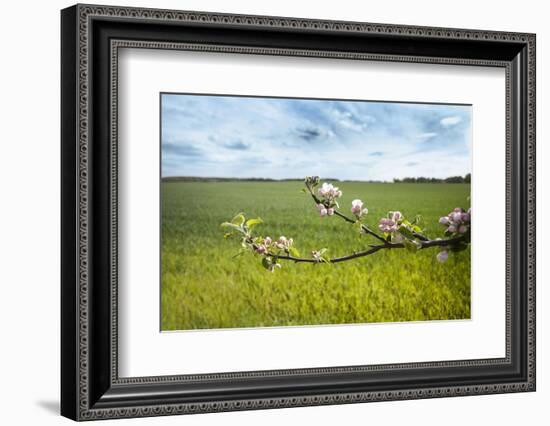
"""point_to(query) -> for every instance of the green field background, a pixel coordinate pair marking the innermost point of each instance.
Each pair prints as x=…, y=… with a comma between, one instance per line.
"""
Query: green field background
x=205, y=286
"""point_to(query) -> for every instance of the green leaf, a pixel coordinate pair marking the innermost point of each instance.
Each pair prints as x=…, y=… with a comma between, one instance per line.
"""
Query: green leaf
x=410, y=245
x=266, y=263
x=232, y=226
x=406, y=232
x=238, y=220
x=251, y=223
x=270, y=263
x=294, y=252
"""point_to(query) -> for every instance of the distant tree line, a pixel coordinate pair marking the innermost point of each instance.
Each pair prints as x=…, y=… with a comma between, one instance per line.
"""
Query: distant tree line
x=452, y=179
x=224, y=179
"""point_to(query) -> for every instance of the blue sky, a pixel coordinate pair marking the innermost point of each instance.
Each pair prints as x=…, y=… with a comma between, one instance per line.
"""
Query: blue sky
x=226, y=136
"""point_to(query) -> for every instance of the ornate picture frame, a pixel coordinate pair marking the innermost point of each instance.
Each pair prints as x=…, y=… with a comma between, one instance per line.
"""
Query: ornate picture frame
x=91, y=38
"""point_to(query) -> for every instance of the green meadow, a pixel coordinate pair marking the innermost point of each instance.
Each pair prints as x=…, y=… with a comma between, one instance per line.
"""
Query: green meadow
x=205, y=286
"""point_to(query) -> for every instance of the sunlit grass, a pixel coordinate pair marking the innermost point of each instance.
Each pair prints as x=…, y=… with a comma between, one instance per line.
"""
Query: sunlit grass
x=205, y=286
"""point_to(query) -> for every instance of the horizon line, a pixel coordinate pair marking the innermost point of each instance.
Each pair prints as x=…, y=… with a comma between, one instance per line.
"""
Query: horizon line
x=251, y=178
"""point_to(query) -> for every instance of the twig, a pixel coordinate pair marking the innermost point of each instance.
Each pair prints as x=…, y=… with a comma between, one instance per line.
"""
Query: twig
x=421, y=241
x=374, y=248
x=346, y=218
x=335, y=260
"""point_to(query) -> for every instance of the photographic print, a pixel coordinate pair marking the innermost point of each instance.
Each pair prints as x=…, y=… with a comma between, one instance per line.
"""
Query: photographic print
x=299, y=212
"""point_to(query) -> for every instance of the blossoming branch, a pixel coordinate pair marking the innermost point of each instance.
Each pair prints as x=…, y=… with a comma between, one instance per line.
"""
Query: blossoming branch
x=394, y=231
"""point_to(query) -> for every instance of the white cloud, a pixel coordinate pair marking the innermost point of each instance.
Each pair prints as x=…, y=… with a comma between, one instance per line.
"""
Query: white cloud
x=285, y=138
x=450, y=121
x=428, y=135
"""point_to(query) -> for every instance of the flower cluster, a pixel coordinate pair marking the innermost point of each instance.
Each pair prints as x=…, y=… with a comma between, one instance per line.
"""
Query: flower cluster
x=391, y=223
x=457, y=222
x=312, y=181
x=263, y=245
x=357, y=208
x=323, y=211
x=329, y=193
x=319, y=256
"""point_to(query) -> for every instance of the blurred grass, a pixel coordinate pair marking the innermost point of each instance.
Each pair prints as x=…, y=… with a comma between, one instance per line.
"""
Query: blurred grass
x=204, y=286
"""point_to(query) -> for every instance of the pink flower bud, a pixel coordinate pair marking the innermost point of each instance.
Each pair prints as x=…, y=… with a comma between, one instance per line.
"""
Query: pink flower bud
x=325, y=189
x=356, y=206
x=465, y=217
x=364, y=211
x=442, y=256
x=261, y=249
x=316, y=255
x=456, y=217
x=387, y=225
x=444, y=220
x=267, y=241
x=396, y=216
x=462, y=229
x=330, y=211
x=323, y=212
x=451, y=228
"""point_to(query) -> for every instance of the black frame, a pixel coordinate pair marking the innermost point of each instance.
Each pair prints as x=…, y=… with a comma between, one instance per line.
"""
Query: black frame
x=91, y=37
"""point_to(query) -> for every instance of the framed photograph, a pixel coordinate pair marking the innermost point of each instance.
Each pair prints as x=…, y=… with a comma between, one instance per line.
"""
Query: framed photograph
x=263, y=212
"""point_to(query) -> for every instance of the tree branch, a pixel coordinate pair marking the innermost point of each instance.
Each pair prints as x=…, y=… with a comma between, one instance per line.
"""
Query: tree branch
x=374, y=248
x=420, y=240
x=335, y=260
x=365, y=228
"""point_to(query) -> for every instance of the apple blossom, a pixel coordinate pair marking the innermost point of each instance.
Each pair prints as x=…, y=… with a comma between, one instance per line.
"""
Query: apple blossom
x=322, y=209
x=357, y=208
x=444, y=220
x=442, y=256
x=387, y=225
x=329, y=192
x=316, y=255
x=457, y=221
x=396, y=216
x=284, y=243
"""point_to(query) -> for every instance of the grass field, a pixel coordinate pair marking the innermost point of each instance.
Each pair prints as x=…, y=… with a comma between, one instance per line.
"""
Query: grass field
x=203, y=286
